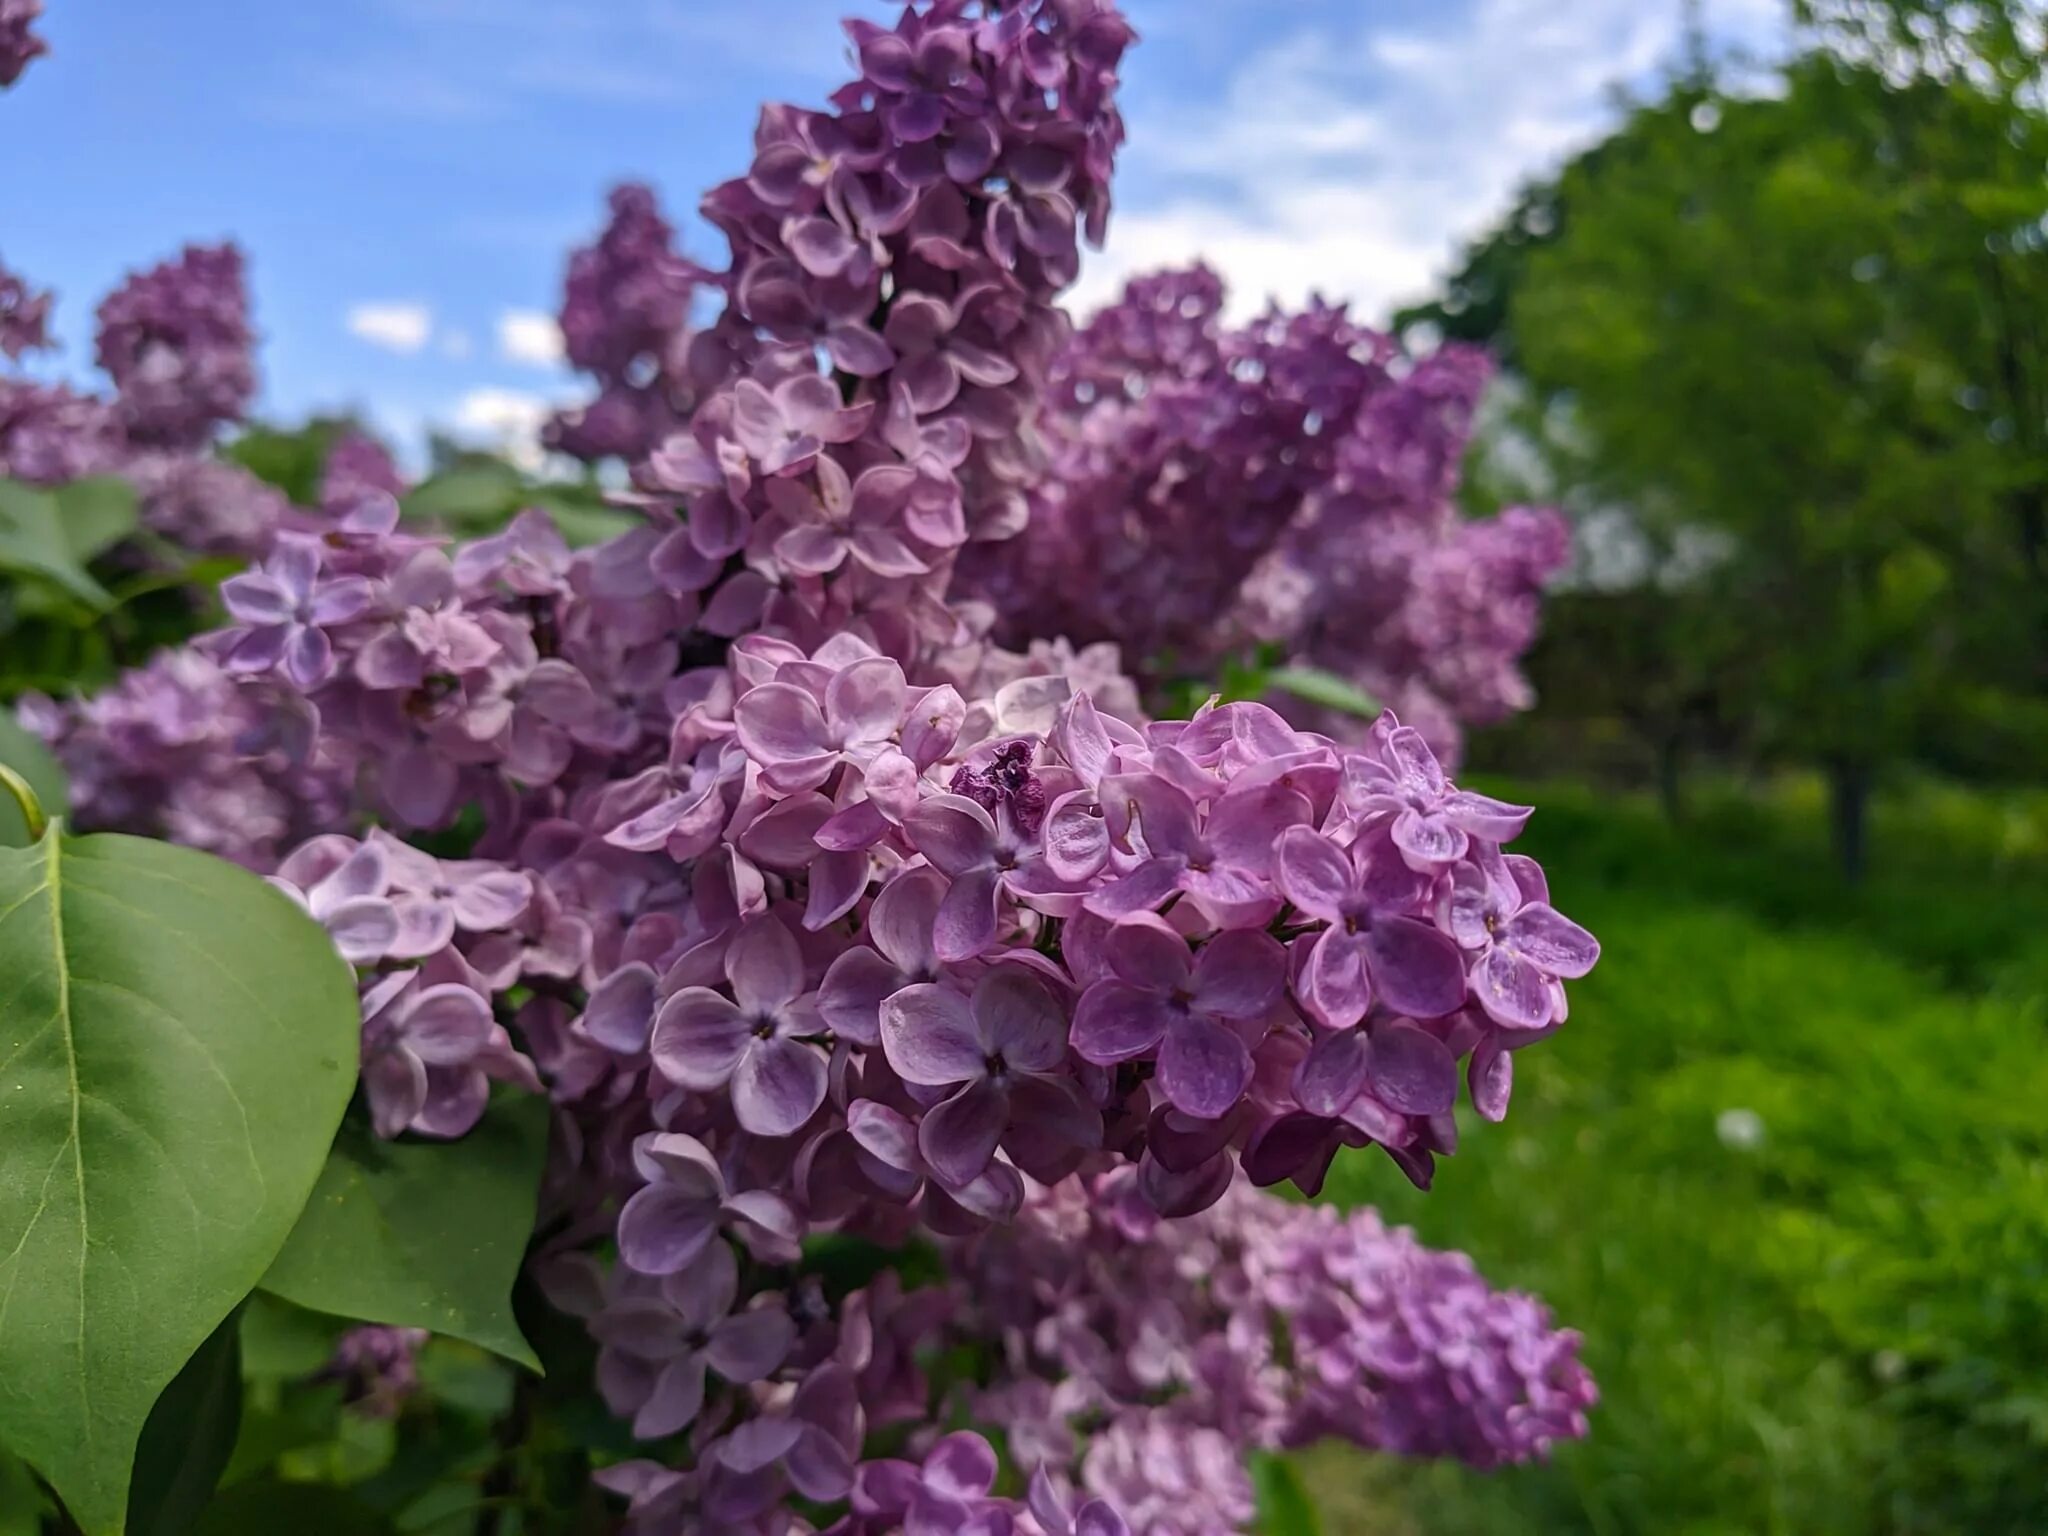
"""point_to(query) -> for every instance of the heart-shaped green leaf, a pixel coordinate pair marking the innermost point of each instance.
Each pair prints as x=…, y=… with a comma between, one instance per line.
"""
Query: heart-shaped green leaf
x=423, y=1234
x=189, y=1437
x=96, y=513
x=177, y=1044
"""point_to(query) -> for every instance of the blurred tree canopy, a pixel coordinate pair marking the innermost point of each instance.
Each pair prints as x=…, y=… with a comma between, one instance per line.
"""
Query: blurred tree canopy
x=1806, y=329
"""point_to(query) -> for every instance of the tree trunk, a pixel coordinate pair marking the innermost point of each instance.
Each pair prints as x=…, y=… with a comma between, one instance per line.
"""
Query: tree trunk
x=1849, y=811
x=1671, y=777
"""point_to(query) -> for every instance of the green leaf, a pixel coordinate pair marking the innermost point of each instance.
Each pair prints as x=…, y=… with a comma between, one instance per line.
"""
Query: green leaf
x=289, y=1509
x=475, y=496
x=22, y=751
x=1285, y=1508
x=96, y=513
x=1326, y=689
x=423, y=1234
x=22, y=1504
x=32, y=541
x=177, y=1044
x=189, y=1437
x=584, y=519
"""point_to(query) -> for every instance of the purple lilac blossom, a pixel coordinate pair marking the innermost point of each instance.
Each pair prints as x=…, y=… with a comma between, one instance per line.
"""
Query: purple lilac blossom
x=176, y=341
x=814, y=911
x=24, y=312
x=18, y=45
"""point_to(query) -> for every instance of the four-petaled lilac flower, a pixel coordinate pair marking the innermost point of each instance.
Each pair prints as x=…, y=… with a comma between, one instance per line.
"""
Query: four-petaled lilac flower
x=983, y=856
x=658, y=1337
x=1433, y=822
x=1220, y=863
x=342, y=885
x=434, y=897
x=752, y=1044
x=784, y=429
x=948, y=1494
x=1499, y=911
x=286, y=611
x=1369, y=951
x=1162, y=997
x=862, y=518
x=684, y=1204
x=1000, y=1052
x=798, y=741
x=1058, y=1514
x=899, y=926
x=420, y=1045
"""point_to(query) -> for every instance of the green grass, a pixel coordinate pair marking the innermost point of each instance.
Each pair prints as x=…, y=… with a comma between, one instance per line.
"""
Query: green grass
x=1842, y=1328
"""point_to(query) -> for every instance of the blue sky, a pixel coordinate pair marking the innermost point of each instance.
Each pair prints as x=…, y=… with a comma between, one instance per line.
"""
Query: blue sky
x=407, y=175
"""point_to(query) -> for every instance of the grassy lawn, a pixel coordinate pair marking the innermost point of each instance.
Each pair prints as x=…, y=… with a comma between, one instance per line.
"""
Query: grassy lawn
x=1786, y=1168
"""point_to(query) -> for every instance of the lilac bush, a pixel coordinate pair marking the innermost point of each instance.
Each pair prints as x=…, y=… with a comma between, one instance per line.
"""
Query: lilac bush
x=18, y=45
x=819, y=916
x=1288, y=483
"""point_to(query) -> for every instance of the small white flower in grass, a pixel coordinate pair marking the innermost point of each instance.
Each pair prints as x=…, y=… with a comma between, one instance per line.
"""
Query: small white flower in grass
x=1740, y=1130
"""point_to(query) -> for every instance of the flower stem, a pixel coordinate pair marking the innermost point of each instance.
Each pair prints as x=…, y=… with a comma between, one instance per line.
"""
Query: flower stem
x=31, y=807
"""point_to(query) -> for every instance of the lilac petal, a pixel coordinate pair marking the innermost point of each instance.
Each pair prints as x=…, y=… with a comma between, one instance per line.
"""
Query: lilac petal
x=1116, y=1021
x=850, y=997
x=748, y=1345
x=1334, y=985
x=1512, y=991
x=1203, y=1068
x=811, y=549
x=900, y=924
x=1412, y=1071
x=1491, y=1077
x=820, y=247
x=1019, y=1019
x=864, y=702
x=1314, y=873
x=674, y=1403
x=859, y=351
x=1239, y=975
x=930, y=1038
x=342, y=601
x=256, y=599
x=820, y=1467
x=1148, y=952
x=1415, y=968
x=967, y=918
x=620, y=1013
x=396, y=1082
x=1095, y=1518
x=786, y=835
x=958, y=1137
x=781, y=723
x=1415, y=766
x=765, y=967
x=1161, y=813
x=777, y=1087
x=953, y=832
x=1552, y=942
x=699, y=1038
x=960, y=1467
x=447, y=1025
x=424, y=928
x=682, y=1161
x=1140, y=891
x=1329, y=1077
x=759, y=1443
x=1472, y=908
x=1428, y=841
x=495, y=899
x=1076, y=838
x=661, y=1229
x=260, y=649
x=363, y=928
x=1245, y=826
x=838, y=881
x=884, y=1134
x=1483, y=816
x=308, y=658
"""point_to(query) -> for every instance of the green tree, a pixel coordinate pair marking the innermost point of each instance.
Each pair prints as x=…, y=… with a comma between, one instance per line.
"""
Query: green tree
x=1815, y=322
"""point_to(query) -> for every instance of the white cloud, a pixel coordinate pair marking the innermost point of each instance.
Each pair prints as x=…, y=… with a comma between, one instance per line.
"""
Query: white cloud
x=1355, y=164
x=394, y=327
x=529, y=336
x=507, y=421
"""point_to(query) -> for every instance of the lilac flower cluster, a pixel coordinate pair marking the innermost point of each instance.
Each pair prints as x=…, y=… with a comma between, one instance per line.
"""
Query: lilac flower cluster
x=1257, y=1323
x=625, y=320
x=24, y=316
x=18, y=45
x=177, y=344
x=817, y=915
x=378, y=1368
x=1212, y=488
